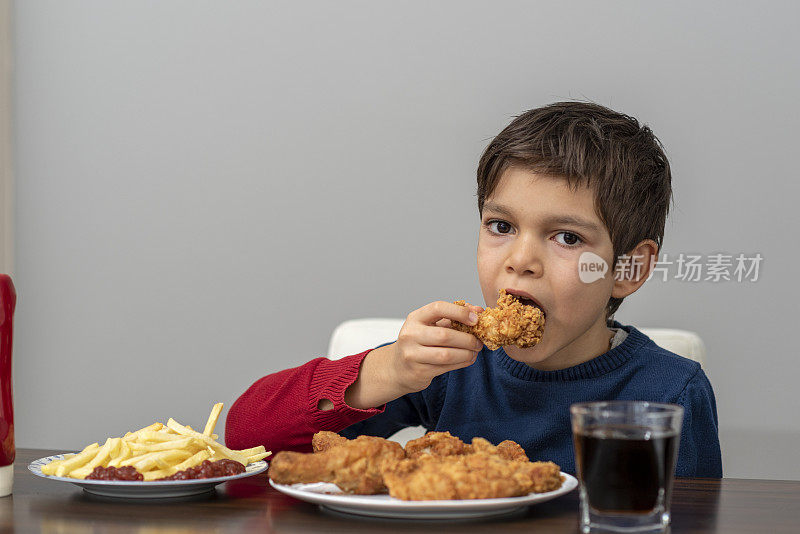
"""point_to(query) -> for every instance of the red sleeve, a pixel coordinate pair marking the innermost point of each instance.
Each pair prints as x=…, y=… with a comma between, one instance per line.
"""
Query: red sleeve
x=280, y=410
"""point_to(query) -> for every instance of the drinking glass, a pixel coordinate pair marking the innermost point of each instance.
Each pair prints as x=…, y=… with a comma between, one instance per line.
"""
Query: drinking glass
x=625, y=455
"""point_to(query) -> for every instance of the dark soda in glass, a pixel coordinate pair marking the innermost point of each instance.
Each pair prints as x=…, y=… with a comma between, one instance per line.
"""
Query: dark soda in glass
x=625, y=468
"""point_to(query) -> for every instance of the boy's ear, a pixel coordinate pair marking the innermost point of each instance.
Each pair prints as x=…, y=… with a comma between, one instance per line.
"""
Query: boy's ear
x=634, y=268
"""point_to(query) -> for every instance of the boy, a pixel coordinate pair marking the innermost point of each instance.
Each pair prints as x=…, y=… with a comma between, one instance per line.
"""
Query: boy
x=559, y=186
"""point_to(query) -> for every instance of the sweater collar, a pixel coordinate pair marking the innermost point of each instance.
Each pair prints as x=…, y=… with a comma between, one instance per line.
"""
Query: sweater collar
x=595, y=367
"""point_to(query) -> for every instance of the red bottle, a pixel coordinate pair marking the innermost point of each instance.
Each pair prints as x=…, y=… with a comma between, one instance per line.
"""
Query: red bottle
x=8, y=300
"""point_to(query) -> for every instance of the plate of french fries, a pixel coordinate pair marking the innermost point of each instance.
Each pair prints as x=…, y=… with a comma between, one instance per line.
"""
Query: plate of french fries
x=157, y=451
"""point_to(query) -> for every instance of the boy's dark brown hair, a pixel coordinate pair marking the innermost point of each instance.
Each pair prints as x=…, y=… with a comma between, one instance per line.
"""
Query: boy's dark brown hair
x=588, y=144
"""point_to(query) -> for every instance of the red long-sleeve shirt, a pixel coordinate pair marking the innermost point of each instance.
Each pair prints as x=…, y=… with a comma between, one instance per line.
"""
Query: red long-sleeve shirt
x=280, y=411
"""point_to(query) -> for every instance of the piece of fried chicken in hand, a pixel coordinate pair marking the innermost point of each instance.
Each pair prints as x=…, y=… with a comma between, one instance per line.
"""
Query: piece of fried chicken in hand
x=468, y=476
x=509, y=323
x=353, y=465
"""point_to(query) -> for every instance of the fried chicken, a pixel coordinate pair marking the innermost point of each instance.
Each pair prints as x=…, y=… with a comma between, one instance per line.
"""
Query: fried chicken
x=439, y=466
x=507, y=450
x=445, y=444
x=510, y=323
x=468, y=476
x=324, y=440
x=353, y=465
x=436, y=443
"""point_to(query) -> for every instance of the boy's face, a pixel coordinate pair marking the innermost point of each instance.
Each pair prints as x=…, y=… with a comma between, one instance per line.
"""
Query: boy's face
x=523, y=246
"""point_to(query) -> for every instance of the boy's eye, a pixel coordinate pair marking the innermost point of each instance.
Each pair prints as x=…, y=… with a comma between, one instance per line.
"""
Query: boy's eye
x=499, y=227
x=569, y=239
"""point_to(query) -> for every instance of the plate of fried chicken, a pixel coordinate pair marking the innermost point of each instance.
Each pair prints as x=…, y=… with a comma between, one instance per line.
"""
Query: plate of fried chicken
x=437, y=476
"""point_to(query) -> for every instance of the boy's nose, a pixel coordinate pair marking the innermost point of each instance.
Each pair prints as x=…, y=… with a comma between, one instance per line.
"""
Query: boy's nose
x=525, y=258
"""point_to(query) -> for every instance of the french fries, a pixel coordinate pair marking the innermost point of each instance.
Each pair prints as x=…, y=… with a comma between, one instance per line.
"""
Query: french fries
x=212, y=419
x=156, y=451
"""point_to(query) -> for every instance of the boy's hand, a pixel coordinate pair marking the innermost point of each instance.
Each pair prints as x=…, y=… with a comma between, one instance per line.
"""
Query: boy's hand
x=425, y=348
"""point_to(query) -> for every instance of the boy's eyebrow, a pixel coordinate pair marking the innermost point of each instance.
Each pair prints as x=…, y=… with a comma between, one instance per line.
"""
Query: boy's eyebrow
x=497, y=208
x=554, y=219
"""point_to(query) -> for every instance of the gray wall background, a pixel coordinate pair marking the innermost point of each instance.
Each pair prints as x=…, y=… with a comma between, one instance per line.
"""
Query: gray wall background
x=206, y=189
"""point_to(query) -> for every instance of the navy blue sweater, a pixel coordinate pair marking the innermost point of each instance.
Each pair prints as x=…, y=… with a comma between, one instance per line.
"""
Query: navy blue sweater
x=500, y=398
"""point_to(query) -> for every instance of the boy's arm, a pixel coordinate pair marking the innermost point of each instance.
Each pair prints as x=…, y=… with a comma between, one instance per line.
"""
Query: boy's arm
x=282, y=411
x=699, y=452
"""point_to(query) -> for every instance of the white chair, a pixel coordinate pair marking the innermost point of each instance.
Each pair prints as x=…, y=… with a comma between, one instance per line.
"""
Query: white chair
x=358, y=335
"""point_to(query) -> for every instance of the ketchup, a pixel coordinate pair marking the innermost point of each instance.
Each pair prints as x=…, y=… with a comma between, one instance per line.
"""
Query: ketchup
x=128, y=473
x=208, y=469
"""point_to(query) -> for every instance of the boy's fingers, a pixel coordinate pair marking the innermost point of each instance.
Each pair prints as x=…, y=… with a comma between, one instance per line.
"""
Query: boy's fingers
x=460, y=365
x=431, y=313
x=445, y=323
x=440, y=356
x=437, y=336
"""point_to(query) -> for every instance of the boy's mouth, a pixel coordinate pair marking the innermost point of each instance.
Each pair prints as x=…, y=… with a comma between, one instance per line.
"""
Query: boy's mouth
x=525, y=299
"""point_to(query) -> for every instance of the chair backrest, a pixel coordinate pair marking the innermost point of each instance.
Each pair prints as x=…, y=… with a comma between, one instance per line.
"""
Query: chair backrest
x=358, y=335
x=681, y=342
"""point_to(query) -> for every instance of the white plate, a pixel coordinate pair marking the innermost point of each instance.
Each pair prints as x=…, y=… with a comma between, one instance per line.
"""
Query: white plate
x=331, y=497
x=145, y=490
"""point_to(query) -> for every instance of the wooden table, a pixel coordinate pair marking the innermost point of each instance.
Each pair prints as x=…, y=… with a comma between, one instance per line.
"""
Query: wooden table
x=40, y=505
